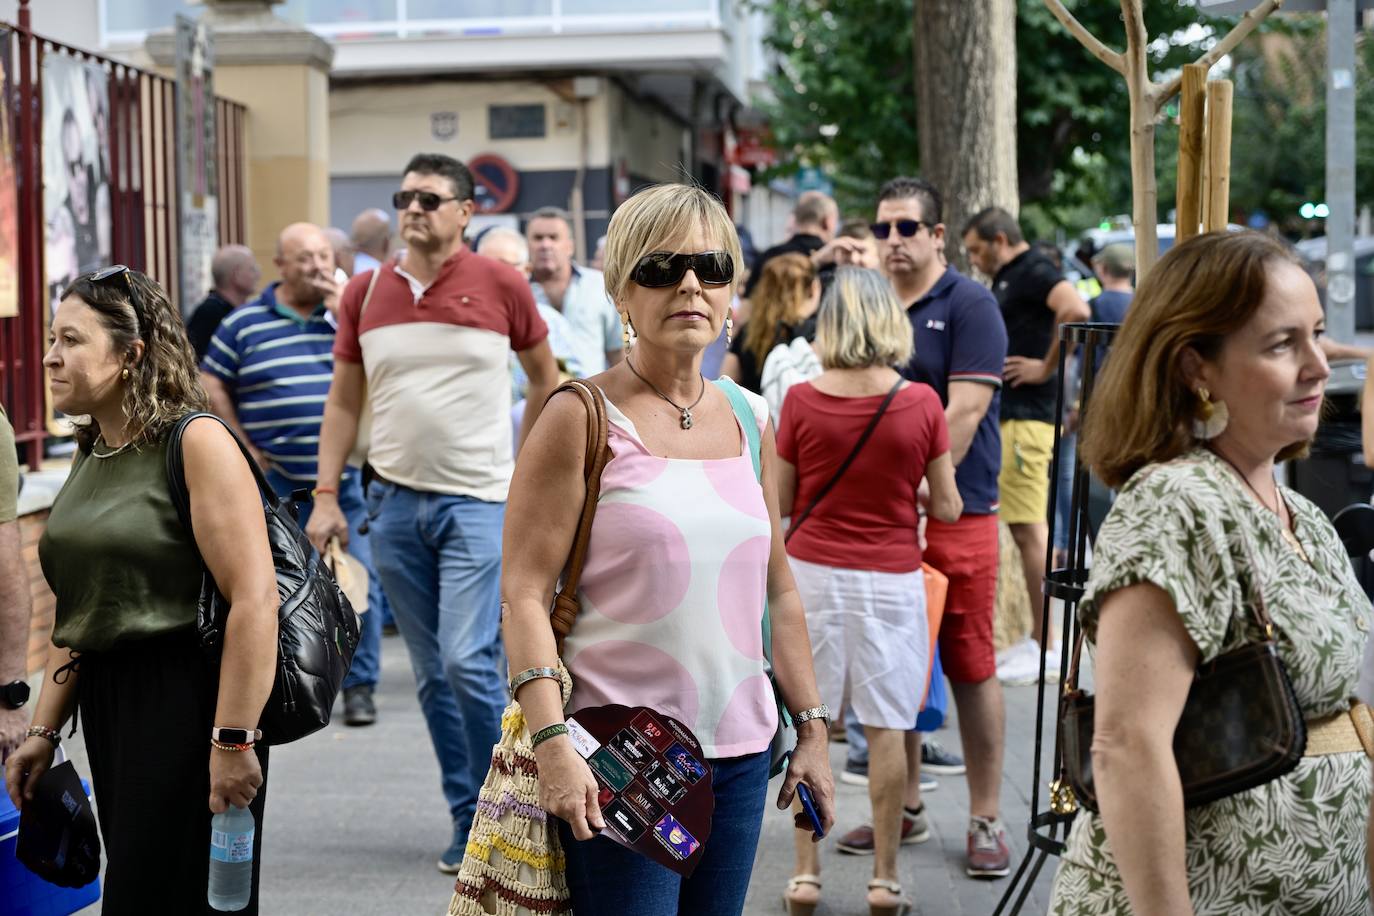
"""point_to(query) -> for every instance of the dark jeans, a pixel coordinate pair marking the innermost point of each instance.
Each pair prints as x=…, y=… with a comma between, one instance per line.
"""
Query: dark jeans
x=606, y=879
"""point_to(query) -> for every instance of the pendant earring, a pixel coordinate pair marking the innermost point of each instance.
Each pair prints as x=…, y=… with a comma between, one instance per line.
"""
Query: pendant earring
x=729, y=330
x=1211, y=418
x=125, y=374
x=625, y=330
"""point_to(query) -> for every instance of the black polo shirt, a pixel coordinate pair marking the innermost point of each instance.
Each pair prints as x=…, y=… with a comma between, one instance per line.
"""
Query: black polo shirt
x=801, y=243
x=1022, y=288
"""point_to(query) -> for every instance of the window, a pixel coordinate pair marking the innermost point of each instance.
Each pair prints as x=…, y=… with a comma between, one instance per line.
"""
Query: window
x=515, y=122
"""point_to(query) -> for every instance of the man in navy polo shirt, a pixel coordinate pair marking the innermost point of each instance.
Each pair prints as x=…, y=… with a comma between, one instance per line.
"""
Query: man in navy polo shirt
x=267, y=373
x=961, y=344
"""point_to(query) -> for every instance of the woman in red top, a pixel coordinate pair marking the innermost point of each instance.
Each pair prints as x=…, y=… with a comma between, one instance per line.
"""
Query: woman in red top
x=856, y=555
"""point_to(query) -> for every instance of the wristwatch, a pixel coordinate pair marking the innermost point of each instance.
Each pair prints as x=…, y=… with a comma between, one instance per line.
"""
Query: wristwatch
x=14, y=694
x=235, y=735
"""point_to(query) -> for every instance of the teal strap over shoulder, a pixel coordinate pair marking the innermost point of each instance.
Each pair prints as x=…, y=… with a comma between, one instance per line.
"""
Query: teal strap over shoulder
x=745, y=414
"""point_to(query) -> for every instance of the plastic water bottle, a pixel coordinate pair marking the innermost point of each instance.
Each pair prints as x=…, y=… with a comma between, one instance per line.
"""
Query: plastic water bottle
x=231, y=859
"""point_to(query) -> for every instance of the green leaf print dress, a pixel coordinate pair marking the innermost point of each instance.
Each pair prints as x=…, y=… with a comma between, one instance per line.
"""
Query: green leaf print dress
x=1292, y=846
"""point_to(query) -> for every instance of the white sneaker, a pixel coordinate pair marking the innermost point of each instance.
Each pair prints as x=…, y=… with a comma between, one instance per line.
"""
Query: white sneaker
x=1019, y=665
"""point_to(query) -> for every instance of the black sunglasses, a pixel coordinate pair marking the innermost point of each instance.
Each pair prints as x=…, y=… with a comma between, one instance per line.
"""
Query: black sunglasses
x=428, y=199
x=663, y=268
x=122, y=272
x=906, y=228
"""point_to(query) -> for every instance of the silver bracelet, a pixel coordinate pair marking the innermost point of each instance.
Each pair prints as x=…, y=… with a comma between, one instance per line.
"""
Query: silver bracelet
x=531, y=674
x=815, y=712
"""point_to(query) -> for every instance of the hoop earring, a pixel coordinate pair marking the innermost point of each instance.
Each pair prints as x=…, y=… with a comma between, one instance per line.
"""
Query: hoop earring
x=729, y=330
x=1211, y=418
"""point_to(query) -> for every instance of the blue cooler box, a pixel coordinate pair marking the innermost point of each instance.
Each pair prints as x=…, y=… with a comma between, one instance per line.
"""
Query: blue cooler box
x=22, y=893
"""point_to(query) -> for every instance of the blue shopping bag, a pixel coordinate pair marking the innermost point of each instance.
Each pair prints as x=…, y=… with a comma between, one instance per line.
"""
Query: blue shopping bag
x=932, y=715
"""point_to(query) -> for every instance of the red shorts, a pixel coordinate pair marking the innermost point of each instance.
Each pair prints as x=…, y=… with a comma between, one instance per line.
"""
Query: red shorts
x=967, y=553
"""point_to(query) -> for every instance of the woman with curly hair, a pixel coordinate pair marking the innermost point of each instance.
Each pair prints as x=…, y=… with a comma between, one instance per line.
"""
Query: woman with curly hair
x=126, y=574
x=782, y=308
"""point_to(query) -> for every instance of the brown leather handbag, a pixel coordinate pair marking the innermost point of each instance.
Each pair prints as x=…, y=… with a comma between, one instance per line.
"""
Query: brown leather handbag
x=1241, y=726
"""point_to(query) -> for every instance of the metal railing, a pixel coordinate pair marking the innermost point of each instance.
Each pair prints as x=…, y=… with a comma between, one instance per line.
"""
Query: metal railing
x=143, y=210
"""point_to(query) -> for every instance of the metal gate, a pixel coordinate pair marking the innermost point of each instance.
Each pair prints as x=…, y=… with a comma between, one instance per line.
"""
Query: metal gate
x=140, y=140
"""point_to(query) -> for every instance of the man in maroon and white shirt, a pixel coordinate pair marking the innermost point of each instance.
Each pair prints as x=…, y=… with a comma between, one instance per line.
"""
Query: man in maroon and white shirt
x=429, y=351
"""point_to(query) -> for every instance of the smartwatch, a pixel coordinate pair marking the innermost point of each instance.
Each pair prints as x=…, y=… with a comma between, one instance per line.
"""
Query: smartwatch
x=235, y=735
x=14, y=694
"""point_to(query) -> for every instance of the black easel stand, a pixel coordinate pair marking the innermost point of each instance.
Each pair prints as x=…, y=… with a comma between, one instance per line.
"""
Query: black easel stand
x=1048, y=828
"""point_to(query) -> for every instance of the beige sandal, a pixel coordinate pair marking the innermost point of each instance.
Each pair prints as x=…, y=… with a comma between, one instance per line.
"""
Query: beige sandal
x=900, y=908
x=799, y=907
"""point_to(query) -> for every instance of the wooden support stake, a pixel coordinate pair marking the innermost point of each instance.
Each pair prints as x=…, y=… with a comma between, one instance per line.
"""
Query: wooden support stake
x=1219, y=96
x=1191, y=134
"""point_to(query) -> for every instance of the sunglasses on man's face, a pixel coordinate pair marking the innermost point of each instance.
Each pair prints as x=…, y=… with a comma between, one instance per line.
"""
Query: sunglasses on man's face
x=428, y=200
x=663, y=268
x=906, y=228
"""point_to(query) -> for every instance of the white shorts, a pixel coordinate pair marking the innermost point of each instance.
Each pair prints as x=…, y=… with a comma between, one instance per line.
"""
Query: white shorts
x=870, y=640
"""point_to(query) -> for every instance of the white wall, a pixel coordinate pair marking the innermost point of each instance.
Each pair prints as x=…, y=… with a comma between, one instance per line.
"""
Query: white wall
x=72, y=22
x=374, y=129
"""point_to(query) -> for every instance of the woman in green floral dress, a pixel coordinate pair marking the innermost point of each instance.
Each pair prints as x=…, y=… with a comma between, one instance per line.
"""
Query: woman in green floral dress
x=1215, y=376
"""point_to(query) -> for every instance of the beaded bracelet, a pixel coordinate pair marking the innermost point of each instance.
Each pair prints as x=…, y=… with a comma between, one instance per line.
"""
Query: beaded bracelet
x=220, y=745
x=544, y=734
x=39, y=731
x=531, y=674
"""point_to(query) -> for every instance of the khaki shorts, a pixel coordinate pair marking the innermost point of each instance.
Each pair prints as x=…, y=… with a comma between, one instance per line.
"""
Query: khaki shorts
x=1024, y=483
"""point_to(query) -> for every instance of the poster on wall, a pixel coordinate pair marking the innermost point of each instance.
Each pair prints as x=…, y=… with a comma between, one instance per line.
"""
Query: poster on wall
x=9, y=201
x=76, y=171
x=196, y=173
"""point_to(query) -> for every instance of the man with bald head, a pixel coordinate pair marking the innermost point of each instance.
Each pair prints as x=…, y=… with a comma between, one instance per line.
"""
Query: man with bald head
x=371, y=238
x=267, y=372
x=344, y=253
x=235, y=274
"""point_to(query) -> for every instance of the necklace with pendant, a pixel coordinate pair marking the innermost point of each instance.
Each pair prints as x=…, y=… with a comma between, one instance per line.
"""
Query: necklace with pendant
x=685, y=411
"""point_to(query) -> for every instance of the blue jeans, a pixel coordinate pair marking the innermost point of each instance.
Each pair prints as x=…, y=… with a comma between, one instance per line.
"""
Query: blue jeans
x=606, y=879
x=439, y=557
x=367, y=659
x=1068, y=446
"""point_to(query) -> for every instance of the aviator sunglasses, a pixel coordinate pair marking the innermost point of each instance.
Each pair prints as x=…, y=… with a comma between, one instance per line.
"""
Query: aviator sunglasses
x=906, y=228
x=121, y=272
x=661, y=268
x=428, y=200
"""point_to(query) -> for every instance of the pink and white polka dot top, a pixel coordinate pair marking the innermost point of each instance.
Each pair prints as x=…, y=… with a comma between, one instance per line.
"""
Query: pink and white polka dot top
x=673, y=592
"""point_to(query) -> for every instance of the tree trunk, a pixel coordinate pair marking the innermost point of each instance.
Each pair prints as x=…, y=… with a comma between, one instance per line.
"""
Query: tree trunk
x=965, y=54
x=1145, y=204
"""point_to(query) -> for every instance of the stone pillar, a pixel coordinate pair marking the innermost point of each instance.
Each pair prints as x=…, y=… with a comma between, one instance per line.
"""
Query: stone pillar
x=280, y=72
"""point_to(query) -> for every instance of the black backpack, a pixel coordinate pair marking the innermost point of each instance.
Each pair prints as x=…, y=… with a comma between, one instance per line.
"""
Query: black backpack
x=317, y=629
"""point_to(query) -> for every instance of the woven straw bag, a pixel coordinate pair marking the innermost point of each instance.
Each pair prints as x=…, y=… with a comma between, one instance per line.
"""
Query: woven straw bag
x=514, y=865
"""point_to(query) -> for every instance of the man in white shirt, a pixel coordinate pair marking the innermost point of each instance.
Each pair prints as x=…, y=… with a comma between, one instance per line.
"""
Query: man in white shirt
x=579, y=293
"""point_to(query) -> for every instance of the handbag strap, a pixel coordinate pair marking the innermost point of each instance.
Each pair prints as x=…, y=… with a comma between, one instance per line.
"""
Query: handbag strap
x=1257, y=609
x=858, y=447
x=565, y=604
x=367, y=296
x=176, y=468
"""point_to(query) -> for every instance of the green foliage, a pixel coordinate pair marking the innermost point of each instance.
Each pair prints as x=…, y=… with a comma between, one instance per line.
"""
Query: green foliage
x=844, y=99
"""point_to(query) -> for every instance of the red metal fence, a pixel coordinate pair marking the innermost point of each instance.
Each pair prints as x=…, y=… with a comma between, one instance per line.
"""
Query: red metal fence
x=142, y=150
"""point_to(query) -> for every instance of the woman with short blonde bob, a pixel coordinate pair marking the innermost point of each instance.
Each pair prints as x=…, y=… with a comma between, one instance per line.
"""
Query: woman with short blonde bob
x=855, y=549
x=1216, y=375
x=685, y=549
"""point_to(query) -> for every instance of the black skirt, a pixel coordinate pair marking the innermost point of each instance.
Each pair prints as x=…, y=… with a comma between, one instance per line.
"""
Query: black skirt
x=147, y=708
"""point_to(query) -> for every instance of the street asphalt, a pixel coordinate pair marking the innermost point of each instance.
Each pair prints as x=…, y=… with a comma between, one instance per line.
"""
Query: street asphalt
x=355, y=823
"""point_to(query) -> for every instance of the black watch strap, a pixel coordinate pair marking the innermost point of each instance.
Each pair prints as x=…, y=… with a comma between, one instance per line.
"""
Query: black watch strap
x=14, y=694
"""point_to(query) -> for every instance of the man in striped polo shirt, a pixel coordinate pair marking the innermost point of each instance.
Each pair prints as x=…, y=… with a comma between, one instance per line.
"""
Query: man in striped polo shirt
x=267, y=373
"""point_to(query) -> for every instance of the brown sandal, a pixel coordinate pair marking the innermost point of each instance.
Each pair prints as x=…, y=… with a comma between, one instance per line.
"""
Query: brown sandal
x=900, y=908
x=799, y=907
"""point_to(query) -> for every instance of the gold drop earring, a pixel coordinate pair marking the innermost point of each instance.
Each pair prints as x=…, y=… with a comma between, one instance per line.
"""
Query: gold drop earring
x=729, y=330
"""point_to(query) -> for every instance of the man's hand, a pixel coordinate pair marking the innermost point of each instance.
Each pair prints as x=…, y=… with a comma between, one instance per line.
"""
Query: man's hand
x=328, y=291
x=326, y=521
x=840, y=250
x=1022, y=370
x=13, y=723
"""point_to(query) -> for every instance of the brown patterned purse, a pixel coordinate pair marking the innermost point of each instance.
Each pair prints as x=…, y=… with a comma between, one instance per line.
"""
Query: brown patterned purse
x=1241, y=725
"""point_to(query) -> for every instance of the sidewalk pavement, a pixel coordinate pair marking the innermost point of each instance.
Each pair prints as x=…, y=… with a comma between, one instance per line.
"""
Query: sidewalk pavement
x=356, y=822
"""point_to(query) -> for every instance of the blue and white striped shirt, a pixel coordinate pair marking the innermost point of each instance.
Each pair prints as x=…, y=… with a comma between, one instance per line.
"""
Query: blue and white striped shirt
x=278, y=366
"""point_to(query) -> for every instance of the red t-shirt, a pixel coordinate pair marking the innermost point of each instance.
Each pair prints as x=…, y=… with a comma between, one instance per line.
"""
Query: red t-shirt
x=868, y=520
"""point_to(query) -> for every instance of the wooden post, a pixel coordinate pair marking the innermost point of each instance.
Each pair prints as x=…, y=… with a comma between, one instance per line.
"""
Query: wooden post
x=1191, y=132
x=1219, y=96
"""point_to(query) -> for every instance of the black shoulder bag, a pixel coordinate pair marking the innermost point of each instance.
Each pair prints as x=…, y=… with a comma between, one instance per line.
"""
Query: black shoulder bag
x=317, y=629
x=858, y=447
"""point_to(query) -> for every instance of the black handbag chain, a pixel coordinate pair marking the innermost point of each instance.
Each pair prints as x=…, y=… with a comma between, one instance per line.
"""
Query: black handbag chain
x=858, y=447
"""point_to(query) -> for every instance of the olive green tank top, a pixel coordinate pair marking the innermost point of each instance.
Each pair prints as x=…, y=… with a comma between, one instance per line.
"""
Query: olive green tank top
x=116, y=555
